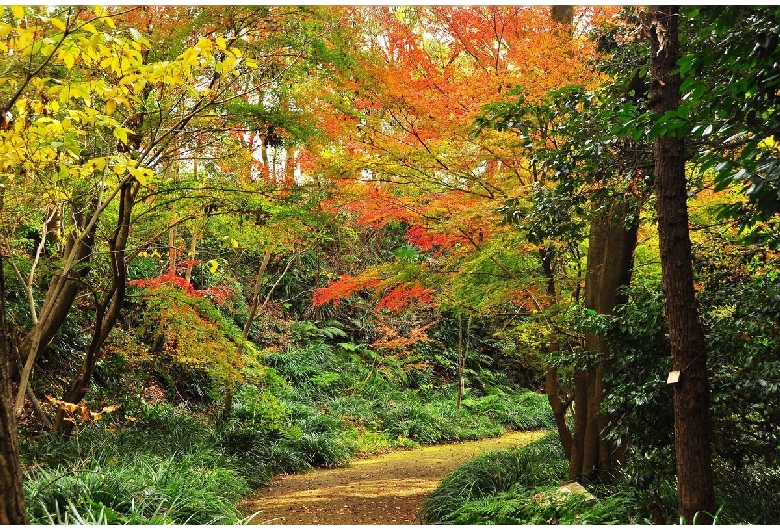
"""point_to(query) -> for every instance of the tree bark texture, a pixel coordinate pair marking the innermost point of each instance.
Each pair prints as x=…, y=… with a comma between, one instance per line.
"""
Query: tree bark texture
x=686, y=335
x=609, y=267
x=12, y=504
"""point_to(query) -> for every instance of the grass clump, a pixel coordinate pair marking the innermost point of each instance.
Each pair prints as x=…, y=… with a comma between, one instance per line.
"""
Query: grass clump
x=523, y=486
x=539, y=464
x=547, y=505
x=194, y=489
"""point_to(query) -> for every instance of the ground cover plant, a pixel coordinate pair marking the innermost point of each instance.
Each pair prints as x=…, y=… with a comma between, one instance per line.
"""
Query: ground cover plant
x=171, y=464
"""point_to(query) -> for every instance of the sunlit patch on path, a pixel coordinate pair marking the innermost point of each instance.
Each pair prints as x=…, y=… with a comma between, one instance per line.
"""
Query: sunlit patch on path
x=388, y=489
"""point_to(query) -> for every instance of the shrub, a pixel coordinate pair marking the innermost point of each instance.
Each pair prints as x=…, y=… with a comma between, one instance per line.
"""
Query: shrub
x=146, y=489
x=538, y=464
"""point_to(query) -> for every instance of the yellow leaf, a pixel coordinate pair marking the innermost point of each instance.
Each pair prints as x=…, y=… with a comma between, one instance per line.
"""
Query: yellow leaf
x=120, y=167
x=110, y=106
x=221, y=43
x=111, y=408
x=213, y=265
x=69, y=60
x=132, y=418
x=96, y=416
x=57, y=23
x=18, y=12
x=89, y=27
x=204, y=44
x=120, y=133
x=234, y=242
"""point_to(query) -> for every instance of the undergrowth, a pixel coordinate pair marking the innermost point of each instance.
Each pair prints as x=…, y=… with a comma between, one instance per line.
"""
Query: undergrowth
x=523, y=486
x=314, y=406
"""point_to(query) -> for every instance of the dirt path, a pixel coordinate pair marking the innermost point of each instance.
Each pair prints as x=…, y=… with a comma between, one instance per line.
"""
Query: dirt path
x=388, y=489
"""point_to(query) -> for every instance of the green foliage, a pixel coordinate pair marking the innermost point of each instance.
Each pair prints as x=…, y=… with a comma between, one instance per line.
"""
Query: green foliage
x=736, y=106
x=539, y=464
x=541, y=506
x=166, y=469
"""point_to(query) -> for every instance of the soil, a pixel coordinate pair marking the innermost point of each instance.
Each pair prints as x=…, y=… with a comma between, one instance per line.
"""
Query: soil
x=388, y=489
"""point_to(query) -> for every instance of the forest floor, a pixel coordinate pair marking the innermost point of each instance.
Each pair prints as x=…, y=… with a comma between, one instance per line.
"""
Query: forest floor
x=387, y=489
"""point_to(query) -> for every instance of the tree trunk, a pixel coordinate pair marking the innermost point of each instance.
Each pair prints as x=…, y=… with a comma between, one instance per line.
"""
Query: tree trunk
x=551, y=383
x=559, y=406
x=686, y=335
x=59, y=298
x=12, y=505
x=106, y=311
x=610, y=262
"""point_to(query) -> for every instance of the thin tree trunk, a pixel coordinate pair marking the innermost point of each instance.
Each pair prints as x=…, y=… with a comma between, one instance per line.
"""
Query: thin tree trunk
x=228, y=404
x=551, y=384
x=559, y=408
x=106, y=311
x=686, y=335
x=197, y=233
x=59, y=298
x=463, y=352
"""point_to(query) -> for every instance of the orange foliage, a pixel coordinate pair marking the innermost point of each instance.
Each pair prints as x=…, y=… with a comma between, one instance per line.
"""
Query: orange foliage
x=402, y=296
x=393, y=341
x=220, y=294
x=343, y=287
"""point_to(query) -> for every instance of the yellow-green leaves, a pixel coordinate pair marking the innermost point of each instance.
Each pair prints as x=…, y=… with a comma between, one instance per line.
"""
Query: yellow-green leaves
x=17, y=12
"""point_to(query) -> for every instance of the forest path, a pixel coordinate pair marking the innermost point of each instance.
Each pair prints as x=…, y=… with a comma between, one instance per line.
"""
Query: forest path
x=388, y=489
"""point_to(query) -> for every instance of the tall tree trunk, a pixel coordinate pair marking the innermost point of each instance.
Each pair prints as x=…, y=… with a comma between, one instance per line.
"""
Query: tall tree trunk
x=12, y=505
x=610, y=262
x=106, y=310
x=686, y=335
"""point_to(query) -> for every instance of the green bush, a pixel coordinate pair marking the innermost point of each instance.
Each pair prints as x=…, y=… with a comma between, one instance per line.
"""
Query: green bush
x=748, y=495
x=542, y=506
x=176, y=490
x=539, y=464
